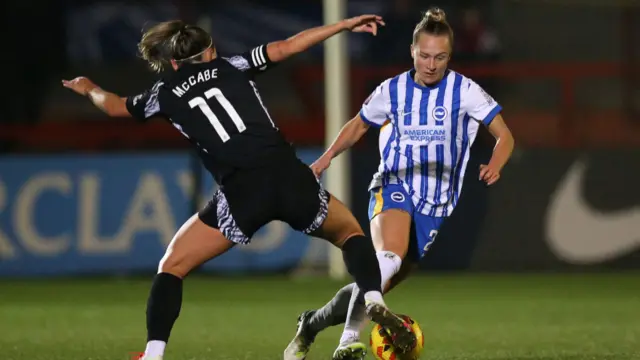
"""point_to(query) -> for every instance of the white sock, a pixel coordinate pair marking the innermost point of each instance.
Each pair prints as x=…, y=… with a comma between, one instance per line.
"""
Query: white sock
x=356, y=316
x=389, y=265
x=349, y=336
x=374, y=296
x=155, y=348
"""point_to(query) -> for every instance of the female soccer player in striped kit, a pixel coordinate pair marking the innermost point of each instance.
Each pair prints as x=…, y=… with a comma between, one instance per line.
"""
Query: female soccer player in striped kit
x=428, y=119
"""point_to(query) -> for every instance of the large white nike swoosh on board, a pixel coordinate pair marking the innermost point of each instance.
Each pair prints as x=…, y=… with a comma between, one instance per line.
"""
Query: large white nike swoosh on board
x=579, y=234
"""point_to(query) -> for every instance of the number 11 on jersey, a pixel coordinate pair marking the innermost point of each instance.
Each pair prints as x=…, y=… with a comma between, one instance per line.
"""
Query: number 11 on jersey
x=213, y=119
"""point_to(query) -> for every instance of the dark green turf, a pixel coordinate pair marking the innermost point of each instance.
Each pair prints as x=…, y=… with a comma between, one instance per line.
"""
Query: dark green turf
x=489, y=317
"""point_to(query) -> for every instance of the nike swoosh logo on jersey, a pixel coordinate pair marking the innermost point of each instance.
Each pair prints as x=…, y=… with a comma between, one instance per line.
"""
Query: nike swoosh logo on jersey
x=579, y=234
x=403, y=114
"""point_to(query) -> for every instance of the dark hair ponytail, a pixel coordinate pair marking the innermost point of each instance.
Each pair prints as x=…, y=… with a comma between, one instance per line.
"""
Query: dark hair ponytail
x=173, y=39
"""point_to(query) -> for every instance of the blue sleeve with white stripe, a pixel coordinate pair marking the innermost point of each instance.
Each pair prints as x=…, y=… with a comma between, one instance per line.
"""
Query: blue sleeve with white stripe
x=480, y=105
x=375, y=110
x=253, y=61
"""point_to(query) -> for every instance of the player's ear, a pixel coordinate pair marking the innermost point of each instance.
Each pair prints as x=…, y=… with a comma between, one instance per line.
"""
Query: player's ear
x=411, y=51
x=174, y=64
x=209, y=54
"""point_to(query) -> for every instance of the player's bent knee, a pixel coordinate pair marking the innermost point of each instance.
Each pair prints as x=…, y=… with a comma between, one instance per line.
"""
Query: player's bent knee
x=350, y=229
x=194, y=244
x=391, y=233
x=177, y=263
x=342, y=239
x=173, y=265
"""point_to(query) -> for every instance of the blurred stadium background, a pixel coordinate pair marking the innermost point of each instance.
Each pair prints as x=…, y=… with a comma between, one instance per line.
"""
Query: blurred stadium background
x=544, y=265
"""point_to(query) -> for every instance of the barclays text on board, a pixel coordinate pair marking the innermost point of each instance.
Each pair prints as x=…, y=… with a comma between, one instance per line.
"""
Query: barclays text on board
x=106, y=214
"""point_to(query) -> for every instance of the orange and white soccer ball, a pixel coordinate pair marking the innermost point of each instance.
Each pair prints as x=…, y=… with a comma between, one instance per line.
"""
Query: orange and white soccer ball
x=381, y=346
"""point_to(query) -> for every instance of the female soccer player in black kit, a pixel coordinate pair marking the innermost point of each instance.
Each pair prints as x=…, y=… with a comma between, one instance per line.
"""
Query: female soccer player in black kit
x=214, y=102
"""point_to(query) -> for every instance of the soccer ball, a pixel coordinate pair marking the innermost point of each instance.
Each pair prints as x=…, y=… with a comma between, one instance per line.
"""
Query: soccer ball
x=381, y=346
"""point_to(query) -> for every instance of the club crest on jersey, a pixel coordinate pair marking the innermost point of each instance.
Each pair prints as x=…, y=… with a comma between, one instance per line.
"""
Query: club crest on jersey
x=440, y=113
x=397, y=197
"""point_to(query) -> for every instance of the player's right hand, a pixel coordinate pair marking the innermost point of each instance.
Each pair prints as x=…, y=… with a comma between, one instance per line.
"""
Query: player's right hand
x=364, y=23
x=489, y=174
x=80, y=85
x=320, y=165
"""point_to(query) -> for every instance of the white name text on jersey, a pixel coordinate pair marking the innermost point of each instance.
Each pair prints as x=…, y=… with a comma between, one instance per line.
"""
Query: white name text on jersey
x=202, y=76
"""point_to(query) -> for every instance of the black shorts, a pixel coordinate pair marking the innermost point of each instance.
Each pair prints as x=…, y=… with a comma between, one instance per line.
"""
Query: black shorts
x=287, y=191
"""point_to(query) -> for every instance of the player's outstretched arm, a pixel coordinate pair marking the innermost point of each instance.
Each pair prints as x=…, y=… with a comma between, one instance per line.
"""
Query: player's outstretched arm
x=281, y=50
x=350, y=133
x=110, y=103
x=490, y=173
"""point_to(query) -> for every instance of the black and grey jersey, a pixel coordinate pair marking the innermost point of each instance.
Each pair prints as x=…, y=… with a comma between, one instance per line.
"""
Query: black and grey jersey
x=217, y=106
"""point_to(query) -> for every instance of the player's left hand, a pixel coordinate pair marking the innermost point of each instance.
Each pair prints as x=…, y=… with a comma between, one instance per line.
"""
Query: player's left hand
x=488, y=174
x=364, y=23
x=320, y=165
x=80, y=85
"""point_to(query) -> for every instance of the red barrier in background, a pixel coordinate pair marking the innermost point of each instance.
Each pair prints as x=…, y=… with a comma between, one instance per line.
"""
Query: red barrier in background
x=567, y=127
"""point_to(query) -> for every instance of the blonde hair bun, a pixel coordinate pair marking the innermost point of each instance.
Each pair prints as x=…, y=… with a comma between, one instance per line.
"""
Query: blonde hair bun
x=435, y=14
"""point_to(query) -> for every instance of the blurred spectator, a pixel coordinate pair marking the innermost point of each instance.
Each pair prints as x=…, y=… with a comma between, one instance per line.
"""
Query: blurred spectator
x=476, y=43
x=392, y=45
x=474, y=39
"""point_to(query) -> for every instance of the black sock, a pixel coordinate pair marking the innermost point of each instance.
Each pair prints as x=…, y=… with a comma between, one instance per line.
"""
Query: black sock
x=362, y=263
x=333, y=313
x=163, y=306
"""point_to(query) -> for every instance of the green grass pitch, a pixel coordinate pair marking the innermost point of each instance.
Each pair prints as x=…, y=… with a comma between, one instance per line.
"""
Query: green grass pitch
x=464, y=317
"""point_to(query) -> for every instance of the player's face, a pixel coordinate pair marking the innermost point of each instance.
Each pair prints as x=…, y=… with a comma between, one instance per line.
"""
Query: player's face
x=431, y=56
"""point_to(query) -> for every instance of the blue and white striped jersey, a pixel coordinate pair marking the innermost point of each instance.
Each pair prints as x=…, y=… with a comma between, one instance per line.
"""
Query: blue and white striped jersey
x=426, y=135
